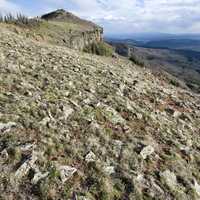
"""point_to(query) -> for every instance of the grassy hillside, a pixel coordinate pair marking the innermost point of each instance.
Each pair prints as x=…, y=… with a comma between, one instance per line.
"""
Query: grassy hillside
x=80, y=126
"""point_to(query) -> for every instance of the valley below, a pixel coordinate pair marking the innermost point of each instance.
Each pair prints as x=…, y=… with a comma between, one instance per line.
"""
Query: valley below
x=184, y=63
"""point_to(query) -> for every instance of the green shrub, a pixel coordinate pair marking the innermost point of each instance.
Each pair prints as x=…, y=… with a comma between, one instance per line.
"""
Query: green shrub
x=174, y=82
x=99, y=48
x=136, y=61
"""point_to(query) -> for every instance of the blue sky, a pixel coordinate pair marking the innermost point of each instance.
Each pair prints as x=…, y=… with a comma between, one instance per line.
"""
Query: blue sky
x=121, y=16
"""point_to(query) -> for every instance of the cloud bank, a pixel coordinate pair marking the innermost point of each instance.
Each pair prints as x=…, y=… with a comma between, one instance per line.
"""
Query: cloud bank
x=125, y=16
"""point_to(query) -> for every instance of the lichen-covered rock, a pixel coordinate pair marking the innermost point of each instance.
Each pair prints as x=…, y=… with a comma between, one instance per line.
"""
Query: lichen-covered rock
x=26, y=166
x=169, y=179
x=90, y=157
x=39, y=176
x=66, y=172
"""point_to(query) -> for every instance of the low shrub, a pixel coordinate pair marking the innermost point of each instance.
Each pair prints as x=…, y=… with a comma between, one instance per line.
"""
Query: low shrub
x=136, y=60
x=99, y=48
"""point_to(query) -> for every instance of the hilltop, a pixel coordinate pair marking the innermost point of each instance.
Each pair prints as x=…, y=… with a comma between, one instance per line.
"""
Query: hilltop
x=85, y=127
x=61, y=15
x=59, y=28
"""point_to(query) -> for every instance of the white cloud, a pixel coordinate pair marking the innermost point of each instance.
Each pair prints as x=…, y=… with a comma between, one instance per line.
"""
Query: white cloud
x=7, y=6
x=129, y=15
x=141, y=15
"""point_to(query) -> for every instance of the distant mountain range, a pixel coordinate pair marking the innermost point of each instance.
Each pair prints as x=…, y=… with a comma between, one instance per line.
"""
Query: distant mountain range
x=165, y=42
x=189, y=44
x=146, y=37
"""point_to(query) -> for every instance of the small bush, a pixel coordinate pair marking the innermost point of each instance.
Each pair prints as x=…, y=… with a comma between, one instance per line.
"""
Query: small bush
x=99, y=48
x=19, y=19
x=136, y=61
x=174, y=83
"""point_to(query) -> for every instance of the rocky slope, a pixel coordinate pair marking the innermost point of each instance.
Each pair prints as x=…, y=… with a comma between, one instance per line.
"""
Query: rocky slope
x=59, y=27
x=79, y=126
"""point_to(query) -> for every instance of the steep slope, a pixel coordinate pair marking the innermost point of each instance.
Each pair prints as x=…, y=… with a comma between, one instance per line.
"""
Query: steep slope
x=79, y=126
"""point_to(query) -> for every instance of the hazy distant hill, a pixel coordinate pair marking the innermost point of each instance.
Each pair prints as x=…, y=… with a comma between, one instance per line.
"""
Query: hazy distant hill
x=147, y=37
x=189, y=44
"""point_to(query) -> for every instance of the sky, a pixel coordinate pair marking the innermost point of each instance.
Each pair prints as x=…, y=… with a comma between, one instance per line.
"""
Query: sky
x=121, y=16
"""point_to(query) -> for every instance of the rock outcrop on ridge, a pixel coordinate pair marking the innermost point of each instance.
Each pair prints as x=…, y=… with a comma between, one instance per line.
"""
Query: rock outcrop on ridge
x=79, y=126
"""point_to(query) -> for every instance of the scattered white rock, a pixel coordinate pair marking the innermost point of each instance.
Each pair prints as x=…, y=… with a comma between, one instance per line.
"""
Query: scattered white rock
x=27, y=147
x=67, y=93
x=26, y=166
x=2, y=57
x=87, y=101
x=114, y=116
x=146, y=151
x=117, y=146
x=139, y=116
x=45, y=121
x=141, y=180
x=197, y=188
x=169, y=179
x=177, y=114
x=67, y=110
x=82, y=198
x=6, y=127
x=185, y=149
x=109, y=170
x=4, y=155
x=66, y=172
x=90, y=157
x=38, y=176
x=95, y=126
